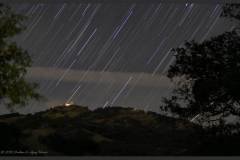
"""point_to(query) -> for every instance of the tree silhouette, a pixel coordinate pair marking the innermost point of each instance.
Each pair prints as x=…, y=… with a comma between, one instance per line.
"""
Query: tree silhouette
x=14, y=89
x=231, y=10
x=207, y=77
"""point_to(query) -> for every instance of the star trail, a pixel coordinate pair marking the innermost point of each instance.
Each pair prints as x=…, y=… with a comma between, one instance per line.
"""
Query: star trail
x=107, y=54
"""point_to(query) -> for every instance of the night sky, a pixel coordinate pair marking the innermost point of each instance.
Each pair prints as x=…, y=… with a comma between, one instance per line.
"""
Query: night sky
x=109, y=54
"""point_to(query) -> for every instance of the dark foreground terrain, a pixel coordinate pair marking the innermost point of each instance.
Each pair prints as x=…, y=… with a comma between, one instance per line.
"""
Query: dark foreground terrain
x=76, y=130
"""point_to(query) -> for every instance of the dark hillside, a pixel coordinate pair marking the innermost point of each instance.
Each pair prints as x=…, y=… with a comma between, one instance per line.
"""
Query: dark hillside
x=76, y=130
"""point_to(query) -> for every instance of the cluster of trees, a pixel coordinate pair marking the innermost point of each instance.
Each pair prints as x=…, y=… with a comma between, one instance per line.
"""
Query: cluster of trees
x=14, y=61
x=207, y=78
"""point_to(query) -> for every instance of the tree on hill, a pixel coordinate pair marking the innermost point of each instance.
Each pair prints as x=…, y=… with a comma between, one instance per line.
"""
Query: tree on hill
x=207, y=77
x=231, y=10
x=14, y=89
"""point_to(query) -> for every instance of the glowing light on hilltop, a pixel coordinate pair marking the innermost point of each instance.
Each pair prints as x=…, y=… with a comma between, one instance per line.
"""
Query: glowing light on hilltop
x=67, y=104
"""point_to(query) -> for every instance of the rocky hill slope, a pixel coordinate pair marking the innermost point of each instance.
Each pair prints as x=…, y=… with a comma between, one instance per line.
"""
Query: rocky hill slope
x=76, y=130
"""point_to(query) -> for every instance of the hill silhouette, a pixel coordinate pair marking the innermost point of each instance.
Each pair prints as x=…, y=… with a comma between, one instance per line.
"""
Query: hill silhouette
x=76, y=130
